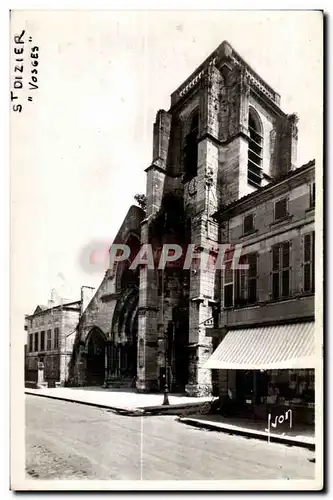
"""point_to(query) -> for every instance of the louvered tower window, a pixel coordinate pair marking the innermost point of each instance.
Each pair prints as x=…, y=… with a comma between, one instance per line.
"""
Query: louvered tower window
x=191, y=149
x=254, y=164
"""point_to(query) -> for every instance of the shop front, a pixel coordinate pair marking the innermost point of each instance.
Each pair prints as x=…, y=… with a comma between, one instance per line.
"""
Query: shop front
x=274, y=391
x=270, y=370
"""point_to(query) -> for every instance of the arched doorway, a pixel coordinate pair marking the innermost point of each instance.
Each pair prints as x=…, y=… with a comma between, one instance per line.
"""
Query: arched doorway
x=177, y=347
x=123, y=362
x=96, y=358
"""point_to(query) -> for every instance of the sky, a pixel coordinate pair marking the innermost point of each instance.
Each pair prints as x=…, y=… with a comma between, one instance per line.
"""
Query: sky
x=80, y=147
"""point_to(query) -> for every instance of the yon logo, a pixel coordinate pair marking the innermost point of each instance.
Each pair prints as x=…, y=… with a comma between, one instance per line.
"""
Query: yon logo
x=288, y=415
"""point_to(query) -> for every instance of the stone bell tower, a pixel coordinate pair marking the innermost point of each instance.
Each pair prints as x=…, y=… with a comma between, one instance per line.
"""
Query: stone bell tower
x=223, y=137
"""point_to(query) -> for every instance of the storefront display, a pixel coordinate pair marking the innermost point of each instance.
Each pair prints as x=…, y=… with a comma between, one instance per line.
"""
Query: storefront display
x=275, y=390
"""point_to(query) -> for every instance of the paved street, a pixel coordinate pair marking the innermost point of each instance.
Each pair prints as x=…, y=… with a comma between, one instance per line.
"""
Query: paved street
x=72, y=441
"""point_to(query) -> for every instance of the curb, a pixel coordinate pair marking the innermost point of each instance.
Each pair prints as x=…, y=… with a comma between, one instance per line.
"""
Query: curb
x=122, y=411
x=135, y=412
x=247, y=433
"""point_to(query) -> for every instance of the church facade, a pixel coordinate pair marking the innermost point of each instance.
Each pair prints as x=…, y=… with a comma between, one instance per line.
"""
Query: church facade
x=223, y=139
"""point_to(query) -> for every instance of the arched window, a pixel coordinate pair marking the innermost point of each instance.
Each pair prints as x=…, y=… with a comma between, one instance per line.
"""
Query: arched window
x=191, y=149
x=254, y=164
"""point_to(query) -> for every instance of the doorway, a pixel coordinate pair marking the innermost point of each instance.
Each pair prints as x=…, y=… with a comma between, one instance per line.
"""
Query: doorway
x=96, y=358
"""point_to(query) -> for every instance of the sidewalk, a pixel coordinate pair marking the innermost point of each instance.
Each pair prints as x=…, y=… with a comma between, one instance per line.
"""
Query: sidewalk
x=121, y=400
x=297, y=436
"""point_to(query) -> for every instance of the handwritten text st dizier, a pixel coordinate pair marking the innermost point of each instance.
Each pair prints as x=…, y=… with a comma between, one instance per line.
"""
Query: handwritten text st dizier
x=17, y=95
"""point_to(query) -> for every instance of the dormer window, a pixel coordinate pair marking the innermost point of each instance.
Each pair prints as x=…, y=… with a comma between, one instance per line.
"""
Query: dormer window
x=254, y=164
x=191, y=149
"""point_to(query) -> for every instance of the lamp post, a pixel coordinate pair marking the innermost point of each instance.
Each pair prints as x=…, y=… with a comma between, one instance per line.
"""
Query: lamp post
x=166, y=386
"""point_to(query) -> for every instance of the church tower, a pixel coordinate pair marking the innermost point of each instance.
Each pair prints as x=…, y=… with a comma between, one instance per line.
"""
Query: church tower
x=223, y=137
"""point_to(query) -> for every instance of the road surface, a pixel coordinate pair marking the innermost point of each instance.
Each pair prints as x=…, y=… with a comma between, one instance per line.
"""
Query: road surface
x=71, y=441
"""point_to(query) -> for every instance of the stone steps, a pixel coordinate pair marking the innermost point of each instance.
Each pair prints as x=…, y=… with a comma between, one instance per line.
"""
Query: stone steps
x=122, y=383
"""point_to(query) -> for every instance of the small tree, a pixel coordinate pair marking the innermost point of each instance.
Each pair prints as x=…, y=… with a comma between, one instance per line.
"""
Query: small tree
x=141, y=200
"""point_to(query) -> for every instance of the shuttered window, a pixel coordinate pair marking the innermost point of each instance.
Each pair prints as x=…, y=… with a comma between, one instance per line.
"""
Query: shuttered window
x=228, y=284
x=42, y=341
x=49, y=340
x=309, y=262
x=312, y=195
x=30, y=342
x=281, y=270
x=246, y=281
x=56, y=338
x=36, y=335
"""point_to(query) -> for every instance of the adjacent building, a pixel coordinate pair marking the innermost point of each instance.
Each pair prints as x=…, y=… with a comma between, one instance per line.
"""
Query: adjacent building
x=50, y=336
x=265, y=333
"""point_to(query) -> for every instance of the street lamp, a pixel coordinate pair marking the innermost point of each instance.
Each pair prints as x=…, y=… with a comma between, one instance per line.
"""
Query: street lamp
x=166, y=387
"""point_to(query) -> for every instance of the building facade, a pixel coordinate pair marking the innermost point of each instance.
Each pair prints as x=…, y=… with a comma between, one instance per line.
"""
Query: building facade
x=223, y=171
x=265, y=337
x=50, y=336
x=224, y=137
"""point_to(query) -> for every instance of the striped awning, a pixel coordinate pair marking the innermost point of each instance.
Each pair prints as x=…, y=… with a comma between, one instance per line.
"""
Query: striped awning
x=266, y=348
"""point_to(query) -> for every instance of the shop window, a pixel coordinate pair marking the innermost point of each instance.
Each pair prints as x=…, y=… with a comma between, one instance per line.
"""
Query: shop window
x=281, y=270
x=56, y=338
x=42, y=341
x=309, y=262
x=48, y=340
x=280, y=209
x=246, y=281
x=36, y=341
x=254, y=164
x=290, y=386
x=191, y=149
x=248, y=224
x=30, y=342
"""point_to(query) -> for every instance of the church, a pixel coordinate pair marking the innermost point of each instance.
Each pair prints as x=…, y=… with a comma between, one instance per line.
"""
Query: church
x=223, y=170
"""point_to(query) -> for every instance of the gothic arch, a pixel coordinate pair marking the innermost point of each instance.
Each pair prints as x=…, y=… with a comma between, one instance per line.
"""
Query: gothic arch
x=126, y=305
x=124, y=329
x=256, y=120
x=124, y=276
x=93, y=332
x=188, y=122
x=95, y=348
x=255, y=149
